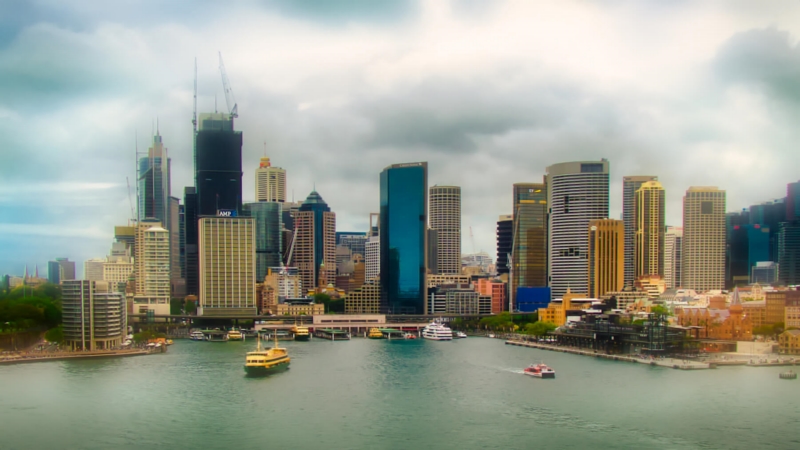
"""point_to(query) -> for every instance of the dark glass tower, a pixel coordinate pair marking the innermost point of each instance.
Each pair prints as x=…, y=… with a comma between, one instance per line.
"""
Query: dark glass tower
x=218, y=173
x=403, y=231
x=267, y=216
x=789, y=252
x=505, y=229
x=154, y=184
x=190, y=241
x=529, y=236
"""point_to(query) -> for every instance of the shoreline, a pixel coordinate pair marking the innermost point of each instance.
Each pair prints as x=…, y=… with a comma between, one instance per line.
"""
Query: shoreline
x=64, y=357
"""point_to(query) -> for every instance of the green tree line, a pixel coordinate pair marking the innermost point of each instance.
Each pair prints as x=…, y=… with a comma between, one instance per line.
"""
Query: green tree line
x=26, y=307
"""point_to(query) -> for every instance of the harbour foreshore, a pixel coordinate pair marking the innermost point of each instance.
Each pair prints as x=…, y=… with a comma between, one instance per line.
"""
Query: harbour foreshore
x=62, y=356
x=663, y=362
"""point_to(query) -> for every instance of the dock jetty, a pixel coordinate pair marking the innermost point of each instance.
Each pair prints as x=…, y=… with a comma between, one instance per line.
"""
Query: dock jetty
x=65, y=356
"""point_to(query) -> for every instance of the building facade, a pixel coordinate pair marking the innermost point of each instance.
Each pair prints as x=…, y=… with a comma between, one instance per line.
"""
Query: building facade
x=270, y=182
x=789, y=252
x=649, y=218
x=59, y=270
x=364, y=300
x=93, y=269
x=314, y=241
x=529, y=237
x=227, y=266
x=630, y=185
x=673, y=246
x=606, y=256
x=577, y=194
x=267, y=217
x=93, y=315
x=505, y=229
x=445, y=218
x=372, y=260
x=703, y=266
x=403, y=244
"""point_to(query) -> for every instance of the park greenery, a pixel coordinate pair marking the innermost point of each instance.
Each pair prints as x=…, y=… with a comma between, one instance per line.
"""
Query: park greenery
x=27, y=308
x=332, y=306
x=769, y=330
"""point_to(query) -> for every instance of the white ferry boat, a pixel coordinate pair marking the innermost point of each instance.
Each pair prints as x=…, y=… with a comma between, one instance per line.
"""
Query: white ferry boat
x=436, y=331
x=197, y=336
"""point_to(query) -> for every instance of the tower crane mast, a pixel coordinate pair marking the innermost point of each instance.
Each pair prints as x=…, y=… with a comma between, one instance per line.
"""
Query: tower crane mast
x=233, y=108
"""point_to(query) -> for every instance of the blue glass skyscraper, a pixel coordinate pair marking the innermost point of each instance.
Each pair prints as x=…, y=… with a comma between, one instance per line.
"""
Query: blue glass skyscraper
x=403, y=231
x=268, y=235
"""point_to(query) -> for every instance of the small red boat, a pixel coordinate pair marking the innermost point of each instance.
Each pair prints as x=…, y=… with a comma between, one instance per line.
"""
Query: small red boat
x=540, y=370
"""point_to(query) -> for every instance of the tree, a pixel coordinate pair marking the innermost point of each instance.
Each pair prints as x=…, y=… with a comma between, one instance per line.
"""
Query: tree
x=539, y=328
x=190, y=307
x=55, y=334
x=659, y=311
x=176, y=306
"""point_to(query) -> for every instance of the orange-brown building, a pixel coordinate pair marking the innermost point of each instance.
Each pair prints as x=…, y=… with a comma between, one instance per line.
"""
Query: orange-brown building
x=718, y=322
x=495, y=288
x=789, y=342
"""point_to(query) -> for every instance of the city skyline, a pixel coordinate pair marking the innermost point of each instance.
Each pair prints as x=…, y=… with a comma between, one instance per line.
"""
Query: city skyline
x=392, y=100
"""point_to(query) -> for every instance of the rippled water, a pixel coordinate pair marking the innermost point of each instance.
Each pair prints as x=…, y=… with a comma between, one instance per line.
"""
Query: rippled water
x=400, y=394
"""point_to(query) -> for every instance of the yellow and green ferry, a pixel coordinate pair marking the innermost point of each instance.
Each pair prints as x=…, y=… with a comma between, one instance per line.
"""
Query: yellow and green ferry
x=265, y=362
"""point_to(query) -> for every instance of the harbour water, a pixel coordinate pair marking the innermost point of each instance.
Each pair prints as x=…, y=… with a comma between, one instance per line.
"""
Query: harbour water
x=468, y=393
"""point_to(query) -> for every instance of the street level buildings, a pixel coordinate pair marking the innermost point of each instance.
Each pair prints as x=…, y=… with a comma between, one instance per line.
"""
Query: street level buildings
x=703, y=266
x=403, y=232
x=577, y=194
x=606, y=256
x=93, y=315
x=227, y=266
x=630, y=185
x=270, y=182
x=649, y=219
x=445, y=218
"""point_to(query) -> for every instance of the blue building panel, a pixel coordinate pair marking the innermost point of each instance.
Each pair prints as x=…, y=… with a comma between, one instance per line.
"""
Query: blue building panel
x=530, y=299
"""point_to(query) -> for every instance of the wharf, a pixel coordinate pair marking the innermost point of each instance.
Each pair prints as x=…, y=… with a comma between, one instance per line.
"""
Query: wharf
x=332, y=334
x=773, y=363
x=668, y=362
x=64, y=356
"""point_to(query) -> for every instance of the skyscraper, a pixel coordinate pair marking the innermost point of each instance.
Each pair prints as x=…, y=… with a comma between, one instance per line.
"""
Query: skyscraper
x=94, y=315
x=673, y=245
x=445, y=218
x=649, y=204
x=577, y=193
x=630, y=185
x=218, y=170
x=505, y=229
x=372, y=259
x=703, y=239
x=314, y=241
x=59, y=270
x=226, y=252
x=606, y=256
x=268, y=226
x=270, y=182
x=154, y=183
x=190, y=255
x=403, y=236
x=793, y=201
x=529, y=236
x=174, y=229
x=789, y=252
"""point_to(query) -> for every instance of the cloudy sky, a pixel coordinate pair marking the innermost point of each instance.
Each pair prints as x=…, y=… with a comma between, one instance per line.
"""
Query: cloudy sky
x=489, y=93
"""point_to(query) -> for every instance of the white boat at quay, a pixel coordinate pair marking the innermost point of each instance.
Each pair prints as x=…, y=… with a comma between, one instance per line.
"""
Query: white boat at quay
x=437, y=331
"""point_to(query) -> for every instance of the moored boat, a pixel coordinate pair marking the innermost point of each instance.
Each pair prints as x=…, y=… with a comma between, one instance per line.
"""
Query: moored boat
x=235, y=335
x=375, y=333
x=265, y=362
x=459, y=335
x=409, y=336
x=540, y=370
x=197, y=335
x=301, y=333
x=436, y=331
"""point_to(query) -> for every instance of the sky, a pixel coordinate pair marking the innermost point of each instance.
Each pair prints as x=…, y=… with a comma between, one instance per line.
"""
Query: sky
x=488, y=92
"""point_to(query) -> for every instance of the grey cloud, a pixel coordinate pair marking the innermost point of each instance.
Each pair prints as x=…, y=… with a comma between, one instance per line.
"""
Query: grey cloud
x=764, y=58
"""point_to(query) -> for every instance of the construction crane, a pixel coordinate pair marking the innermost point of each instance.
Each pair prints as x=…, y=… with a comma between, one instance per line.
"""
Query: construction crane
x=233, y=108
x=130, y=199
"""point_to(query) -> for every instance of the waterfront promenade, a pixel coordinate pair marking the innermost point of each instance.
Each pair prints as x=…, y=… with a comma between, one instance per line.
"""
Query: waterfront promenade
x=31, y=357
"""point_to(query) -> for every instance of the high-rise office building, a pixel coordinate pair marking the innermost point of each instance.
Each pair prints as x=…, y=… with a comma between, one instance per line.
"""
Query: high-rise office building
x=703, y=266
x=356, y=241
x=445, y=218
x=314, y=241
x=59, y=270
x=529, y=236
x=94, y=316
x=182, y=240
x=649, y=219
x=793, y=201
x=769, y=215
x=127, y=235
x=789, y=252
x=226, y=252
x=673, y=244
x=577, y=193
x=372, y=259
x=403, y=238
x=630, y=185
x=93, y=269
x=267, y=216
x=606, y=256
x=433, y=252
x=505, y=228
x=190, y=255
x=154, y=279
x=218, y=170
x=140, y=257
x=174, y=228
x=154, y=183
x=270, y=182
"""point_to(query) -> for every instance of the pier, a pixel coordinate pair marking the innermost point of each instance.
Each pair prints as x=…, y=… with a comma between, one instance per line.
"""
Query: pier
x=332, y=334
x=64, y=356
x=665, y=362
